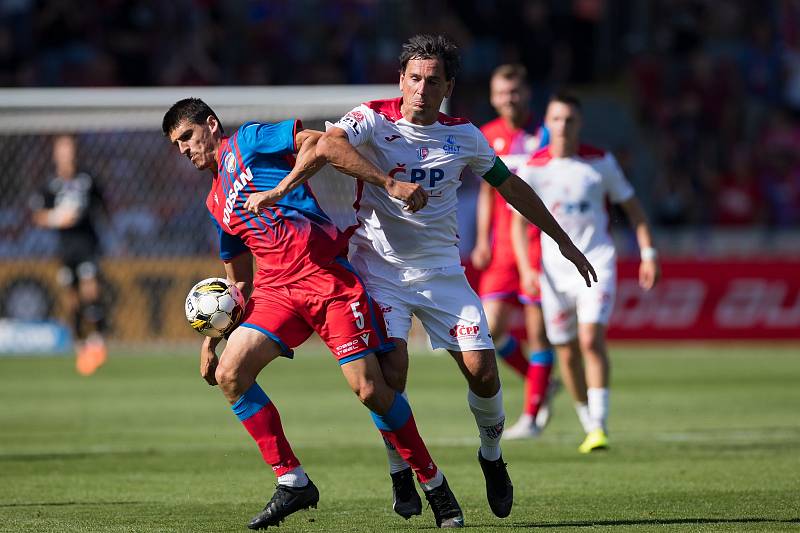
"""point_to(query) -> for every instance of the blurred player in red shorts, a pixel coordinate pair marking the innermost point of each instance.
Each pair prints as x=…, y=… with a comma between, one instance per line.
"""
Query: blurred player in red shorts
x=514, y=135
x=303, y=284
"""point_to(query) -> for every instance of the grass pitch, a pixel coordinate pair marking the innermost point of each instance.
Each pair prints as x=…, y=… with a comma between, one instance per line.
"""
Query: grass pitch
x=704, y=438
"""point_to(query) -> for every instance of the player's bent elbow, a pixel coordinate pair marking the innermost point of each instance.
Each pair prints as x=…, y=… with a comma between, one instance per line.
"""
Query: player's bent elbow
x=324, y=148
x=330, y=143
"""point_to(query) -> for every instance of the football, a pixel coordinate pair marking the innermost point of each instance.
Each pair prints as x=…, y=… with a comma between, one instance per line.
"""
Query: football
x=214, y=307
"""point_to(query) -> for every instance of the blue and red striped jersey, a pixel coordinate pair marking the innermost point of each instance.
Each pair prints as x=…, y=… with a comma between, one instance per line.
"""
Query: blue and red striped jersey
x=290, y=239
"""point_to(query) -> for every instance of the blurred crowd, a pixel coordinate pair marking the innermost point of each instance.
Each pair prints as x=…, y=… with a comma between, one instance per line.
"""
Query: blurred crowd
x=712, y=86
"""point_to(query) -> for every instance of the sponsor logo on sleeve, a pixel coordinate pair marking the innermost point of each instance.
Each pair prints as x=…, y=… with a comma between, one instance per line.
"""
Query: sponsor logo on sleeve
x=351, y=122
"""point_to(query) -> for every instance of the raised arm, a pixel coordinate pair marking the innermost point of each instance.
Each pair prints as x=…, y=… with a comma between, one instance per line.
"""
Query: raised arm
x=307, y=164
x=335, y=147
x=527, y=202
x=649, y=269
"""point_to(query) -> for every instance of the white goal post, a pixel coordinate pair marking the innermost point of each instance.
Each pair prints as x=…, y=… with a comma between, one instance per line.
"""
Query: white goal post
x=157, y=239
x=55, y=110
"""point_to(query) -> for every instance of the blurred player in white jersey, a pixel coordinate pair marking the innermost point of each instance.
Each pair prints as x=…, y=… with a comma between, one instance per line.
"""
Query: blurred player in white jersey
x=410, y=259
x=574, y=181
x=514, y=136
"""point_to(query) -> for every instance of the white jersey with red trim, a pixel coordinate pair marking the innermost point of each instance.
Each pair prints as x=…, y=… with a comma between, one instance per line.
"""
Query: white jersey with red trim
x=574, y=190
x=433, y=156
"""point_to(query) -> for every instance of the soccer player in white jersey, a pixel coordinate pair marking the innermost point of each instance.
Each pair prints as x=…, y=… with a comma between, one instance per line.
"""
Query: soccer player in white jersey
x=574, y=180
x=409, y=259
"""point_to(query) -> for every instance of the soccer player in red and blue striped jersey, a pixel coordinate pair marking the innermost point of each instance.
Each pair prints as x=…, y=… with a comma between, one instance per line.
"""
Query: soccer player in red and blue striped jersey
x=303, y=284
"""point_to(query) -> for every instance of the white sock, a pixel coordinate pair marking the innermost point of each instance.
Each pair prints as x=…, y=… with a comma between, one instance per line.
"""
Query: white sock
x=396, y=462
x=437, y=480
x=296, y=477
x=598, y=407
x=490, y=417
x=583, y=415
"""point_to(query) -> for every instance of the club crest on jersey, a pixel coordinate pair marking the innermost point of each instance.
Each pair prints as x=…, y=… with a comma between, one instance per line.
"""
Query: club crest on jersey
x=450, y=145
x=239, y=184
x=230, y=162
x=422, y=152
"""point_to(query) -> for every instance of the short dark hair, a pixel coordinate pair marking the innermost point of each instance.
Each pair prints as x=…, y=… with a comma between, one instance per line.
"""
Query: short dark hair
x=511, y=71
x=568, y=98
x=194, y=110
x=426, y=46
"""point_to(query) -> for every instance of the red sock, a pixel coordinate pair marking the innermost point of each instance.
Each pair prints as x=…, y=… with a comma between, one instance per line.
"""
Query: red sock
x=537, y=379
x=510, y=352
x=399, y=428
x=261, y=419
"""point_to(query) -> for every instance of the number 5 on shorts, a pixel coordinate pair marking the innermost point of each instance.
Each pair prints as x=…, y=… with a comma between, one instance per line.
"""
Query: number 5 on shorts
x=359, y=316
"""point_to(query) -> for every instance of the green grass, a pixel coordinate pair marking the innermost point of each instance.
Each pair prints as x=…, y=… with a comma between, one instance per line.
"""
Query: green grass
x=704, y=438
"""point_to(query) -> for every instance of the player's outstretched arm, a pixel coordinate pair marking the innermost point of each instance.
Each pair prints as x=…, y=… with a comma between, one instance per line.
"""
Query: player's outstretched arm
x=527, y=202
x=335, y=147
x=649, y=269
x=307, y=164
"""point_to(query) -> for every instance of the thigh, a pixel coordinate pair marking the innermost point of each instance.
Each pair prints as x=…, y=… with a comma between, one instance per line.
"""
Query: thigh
x=391, y=296
x=498, y=314
x=343, y=313
x=596, y=303
x=271, y=312
x=246, y=353
x=558, y=310
x=452, y=314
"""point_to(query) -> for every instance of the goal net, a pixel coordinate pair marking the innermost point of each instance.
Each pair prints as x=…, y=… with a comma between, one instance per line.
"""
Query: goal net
x=156, y=239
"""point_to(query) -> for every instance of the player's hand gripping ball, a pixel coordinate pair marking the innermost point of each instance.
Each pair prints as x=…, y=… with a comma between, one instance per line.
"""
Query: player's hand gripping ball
x=214, y=307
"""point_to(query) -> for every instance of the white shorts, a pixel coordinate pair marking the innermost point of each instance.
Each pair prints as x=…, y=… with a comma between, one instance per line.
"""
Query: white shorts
x=564, y=309
x=441, y=298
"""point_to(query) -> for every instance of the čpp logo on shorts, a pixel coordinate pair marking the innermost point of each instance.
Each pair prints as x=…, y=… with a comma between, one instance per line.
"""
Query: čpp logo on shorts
x=460, y=331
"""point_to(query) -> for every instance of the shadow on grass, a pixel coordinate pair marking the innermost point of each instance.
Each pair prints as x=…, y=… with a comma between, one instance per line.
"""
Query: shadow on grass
x=74, y=456
x=64, y=504
x=653, y=521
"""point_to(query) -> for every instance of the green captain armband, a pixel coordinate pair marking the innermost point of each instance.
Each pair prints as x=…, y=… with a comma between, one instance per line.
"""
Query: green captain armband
x=497, y=174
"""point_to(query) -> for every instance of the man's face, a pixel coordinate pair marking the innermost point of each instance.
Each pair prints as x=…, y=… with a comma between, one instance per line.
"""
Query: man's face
x=198, y=142
x=424, y=86
x=64, y=154
x=510, y=98
x=563, y=121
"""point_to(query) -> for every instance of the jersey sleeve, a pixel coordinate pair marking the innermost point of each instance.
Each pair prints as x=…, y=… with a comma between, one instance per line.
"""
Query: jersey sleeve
x=273, y=139
x=229, y=245
x=486, y=164
x=618, y=187
x=358, y=124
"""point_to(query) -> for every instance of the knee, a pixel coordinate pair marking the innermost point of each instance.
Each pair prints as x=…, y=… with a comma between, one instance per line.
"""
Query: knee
x=486, y=381
x=228, y=379
x=367, y=391
x=568, y=355
x=593, y=346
